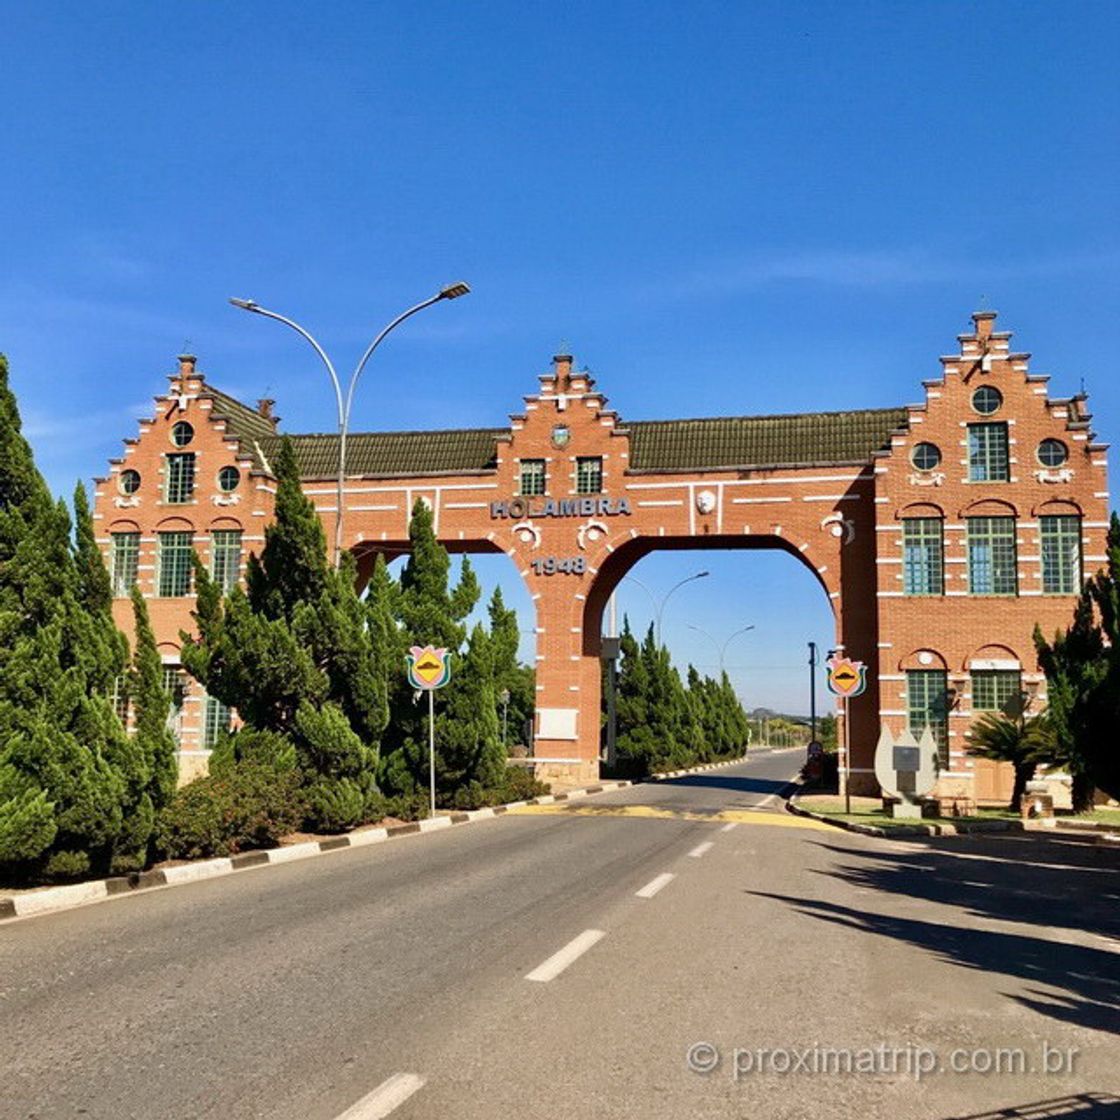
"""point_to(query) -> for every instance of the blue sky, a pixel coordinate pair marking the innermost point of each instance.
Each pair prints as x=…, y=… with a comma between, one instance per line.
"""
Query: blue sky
x=722, y=208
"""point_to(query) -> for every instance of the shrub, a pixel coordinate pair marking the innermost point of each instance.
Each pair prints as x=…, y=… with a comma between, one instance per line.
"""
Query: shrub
x=67, y=865
x=268, y=749
x=335, y=806
x=473, y=796
x=520, y=785
x=247, y=806
x=407, y=807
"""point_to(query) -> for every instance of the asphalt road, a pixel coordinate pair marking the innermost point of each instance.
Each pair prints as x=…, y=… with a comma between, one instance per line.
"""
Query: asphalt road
x=420, y=978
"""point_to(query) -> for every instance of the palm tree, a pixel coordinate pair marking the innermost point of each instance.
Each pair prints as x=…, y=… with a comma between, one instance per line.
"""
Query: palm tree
x=1022, y=741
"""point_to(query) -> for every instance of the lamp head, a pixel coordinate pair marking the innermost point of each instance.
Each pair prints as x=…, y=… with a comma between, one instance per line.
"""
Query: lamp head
x=454, y=291
x=246, y=304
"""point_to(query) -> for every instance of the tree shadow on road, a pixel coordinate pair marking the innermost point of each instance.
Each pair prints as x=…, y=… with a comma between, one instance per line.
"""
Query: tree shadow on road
x=1043, y=882
x=731, y=782
x=1079, y=1106
x=1037, y=879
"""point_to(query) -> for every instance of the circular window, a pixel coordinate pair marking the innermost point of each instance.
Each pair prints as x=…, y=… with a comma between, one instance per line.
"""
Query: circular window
x=182, y=433
x=926, y=456
x=228, y=479
x=129, y=482
x=987, y=400
x=1052, y=453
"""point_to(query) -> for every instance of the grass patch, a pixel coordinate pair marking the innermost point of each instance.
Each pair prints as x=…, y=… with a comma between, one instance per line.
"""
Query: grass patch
x=1100, y=815
x=869, y=810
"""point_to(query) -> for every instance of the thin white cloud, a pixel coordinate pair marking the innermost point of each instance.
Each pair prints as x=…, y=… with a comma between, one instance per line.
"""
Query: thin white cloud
x=874, y=268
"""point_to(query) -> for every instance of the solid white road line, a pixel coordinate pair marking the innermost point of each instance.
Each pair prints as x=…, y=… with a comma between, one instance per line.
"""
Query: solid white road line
x=571, y=952
x=729, y=826
x=390, y=1094
x=701, y=849
x=651, y=888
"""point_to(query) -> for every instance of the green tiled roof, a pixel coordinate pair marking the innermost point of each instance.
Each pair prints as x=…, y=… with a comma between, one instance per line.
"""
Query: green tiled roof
x=243, y=423
x=761, y=441
x=395, y=453
x=721, y=443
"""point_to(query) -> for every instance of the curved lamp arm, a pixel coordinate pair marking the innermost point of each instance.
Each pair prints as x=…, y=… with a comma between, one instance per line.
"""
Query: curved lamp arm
x=256, y=309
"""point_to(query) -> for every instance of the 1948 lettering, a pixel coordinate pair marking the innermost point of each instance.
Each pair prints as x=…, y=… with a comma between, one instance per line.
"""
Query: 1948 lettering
x=558, y=565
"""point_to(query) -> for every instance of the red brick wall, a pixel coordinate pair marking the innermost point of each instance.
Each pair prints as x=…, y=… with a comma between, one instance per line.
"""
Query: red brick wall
x=841, y=521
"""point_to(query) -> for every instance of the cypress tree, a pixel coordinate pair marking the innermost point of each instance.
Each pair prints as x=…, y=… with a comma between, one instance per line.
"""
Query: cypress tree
x=299, y=654
x=431, y=612
x=59, y=736
x=509, y=674
x=94, y=588
x=151, y=706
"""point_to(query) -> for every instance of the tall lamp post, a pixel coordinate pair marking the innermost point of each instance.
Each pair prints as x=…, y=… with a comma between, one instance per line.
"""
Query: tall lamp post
x=722, y=649
x=503, y=696
x=659, y=604
x=345, y=403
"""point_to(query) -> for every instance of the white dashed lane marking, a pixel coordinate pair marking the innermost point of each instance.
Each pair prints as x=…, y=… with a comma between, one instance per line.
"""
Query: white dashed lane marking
x=701, y=849
x=571, y=952
x=654, y=885
x=387, y=1097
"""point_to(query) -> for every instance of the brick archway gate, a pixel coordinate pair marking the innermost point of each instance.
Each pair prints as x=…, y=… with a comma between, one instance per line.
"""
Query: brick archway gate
x=942, y=532
x=575, y=497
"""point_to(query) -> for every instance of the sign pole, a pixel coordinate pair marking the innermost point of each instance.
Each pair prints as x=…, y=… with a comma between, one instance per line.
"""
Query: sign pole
x=847, y=756
x=432, y=747
x=428, y=669
x=813, y=691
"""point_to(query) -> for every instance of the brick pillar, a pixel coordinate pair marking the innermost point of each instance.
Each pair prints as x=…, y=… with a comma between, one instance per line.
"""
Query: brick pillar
x=568, y=686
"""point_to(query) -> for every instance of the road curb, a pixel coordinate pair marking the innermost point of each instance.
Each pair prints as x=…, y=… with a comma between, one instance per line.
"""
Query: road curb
x=54, y=899
x=957, y=828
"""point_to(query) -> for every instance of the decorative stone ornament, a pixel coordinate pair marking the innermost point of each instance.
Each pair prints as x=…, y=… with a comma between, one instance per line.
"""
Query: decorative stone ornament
x=527, y=533
x=561, y=436
x=705, y=501
x=590, y=533
x=837, y=525
x=1064, y=474
x=906, y=770
x=927, y=478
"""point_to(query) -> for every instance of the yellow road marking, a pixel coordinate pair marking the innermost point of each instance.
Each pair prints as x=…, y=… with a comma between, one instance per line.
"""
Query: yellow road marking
x=650, y=812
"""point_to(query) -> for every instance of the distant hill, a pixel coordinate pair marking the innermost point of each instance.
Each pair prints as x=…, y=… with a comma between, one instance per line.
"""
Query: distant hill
x=769, y=713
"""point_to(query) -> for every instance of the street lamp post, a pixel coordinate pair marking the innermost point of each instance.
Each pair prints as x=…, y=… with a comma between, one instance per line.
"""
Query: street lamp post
x=659, y=604
x=345, y=404
x=504, y=697
x=722, y=649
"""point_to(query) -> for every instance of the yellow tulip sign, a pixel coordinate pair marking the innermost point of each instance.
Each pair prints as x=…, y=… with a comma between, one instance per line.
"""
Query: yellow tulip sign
x=428, y=668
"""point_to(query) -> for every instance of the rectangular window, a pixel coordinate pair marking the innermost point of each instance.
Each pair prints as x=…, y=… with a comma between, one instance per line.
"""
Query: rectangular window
x=215, y=722
x=532, y=477
x=119, y=698
x=589, y=475
x=927, y=705
x=992, y=556
x=1061, y=554
x=987, y=453
x=124, y=562
x=175, y=685
x=180, y=477
x=923, y=566
x=174, y=557
x=225, y=557
x=994, y=689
